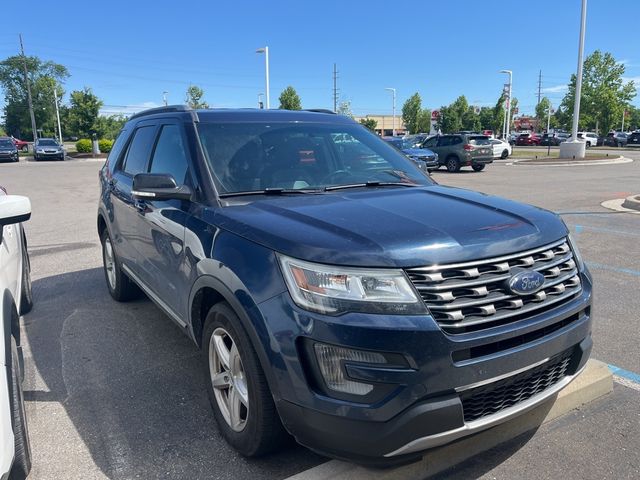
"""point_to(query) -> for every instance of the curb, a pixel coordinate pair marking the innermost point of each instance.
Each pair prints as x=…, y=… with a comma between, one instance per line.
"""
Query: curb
x=617, y=204
x=570, y=163
x=594, y=382
x=632, y=202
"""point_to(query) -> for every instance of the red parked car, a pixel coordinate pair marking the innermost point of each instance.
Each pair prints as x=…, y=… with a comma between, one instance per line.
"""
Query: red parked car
x=528, y=139
x=20, y=144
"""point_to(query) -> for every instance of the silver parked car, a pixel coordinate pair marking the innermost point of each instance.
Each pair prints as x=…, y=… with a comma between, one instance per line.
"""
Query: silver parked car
x=48, y=148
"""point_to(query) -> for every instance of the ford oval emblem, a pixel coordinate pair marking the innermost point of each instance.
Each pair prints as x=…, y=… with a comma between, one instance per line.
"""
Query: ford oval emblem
x=526, y=283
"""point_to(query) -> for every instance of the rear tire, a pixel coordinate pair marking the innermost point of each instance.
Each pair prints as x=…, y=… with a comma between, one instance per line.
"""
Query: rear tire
x=453, y=164
x=22, y=455
x=478, y=168
x=253, y=426
x=120, y=287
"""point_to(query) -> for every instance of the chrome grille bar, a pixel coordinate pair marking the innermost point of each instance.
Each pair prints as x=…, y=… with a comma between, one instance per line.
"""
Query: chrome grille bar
x=476, y=294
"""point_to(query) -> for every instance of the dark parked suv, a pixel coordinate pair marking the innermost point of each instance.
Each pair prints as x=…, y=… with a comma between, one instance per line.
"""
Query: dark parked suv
x=343, y=298
x=461, y=150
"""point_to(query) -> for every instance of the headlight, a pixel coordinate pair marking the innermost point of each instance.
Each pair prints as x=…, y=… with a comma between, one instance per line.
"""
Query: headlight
x=39, y=150
x=334, y=289
x=576, y=253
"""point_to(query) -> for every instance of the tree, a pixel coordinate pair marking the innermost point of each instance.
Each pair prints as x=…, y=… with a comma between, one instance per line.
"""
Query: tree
x=604, y=93
x=194, y=97
x=458, y=116
x=83, y=113
x=632, y=119
x=344, y=108
x=289, y=99
x=411, y=111
x=542, y=113
x=370, y=123
x=43, y=77
x=424, y=121
x=109, y=126
x=486, y=118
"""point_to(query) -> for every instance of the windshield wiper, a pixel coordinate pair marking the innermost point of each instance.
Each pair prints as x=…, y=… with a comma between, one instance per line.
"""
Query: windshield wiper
x=271, y=191
x=371, y=183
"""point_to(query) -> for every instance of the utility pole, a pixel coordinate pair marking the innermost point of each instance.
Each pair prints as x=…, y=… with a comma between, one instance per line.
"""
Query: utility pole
x=624, y=112
x=55, y=97
x=539, y=87
x=335, y=88
x=26, y=81
x=164, y=97
x=393, y=128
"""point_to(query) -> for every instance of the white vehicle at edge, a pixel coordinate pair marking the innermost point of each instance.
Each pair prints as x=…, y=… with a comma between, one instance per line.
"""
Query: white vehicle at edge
x=501, y=149
x=15, y=291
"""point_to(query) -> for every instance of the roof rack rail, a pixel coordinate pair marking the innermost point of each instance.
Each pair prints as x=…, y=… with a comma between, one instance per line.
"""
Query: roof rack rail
x=320, y=110
x=166, y=109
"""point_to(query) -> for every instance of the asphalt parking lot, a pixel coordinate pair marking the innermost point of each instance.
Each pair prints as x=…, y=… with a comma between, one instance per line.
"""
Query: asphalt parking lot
x=115, y=391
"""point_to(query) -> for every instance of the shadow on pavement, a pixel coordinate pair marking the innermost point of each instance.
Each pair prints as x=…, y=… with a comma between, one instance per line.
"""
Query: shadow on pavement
x=132, y=385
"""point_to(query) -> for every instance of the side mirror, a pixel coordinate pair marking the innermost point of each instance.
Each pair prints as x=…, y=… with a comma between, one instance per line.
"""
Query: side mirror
x=158, y=186
x=14, y=209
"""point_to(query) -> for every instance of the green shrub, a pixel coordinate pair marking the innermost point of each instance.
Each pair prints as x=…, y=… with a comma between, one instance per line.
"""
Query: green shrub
x=105, y=145
x=83, y=145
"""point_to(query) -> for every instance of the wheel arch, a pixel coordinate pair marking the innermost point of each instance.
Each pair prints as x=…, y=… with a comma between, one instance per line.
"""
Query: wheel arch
x=207, y=291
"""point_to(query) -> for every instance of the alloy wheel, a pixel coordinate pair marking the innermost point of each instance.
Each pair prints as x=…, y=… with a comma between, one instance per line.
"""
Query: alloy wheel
x=228, y=379
x=109, y=263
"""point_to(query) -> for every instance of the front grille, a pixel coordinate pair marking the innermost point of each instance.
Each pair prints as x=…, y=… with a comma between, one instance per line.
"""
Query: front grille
x=475, y=295
x=492, y=398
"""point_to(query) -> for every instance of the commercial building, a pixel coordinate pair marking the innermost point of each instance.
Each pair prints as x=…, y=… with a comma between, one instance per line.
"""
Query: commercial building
x=384, y=124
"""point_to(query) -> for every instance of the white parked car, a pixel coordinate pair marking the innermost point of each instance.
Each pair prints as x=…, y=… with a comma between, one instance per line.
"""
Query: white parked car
x=15, y=291
x=590, y=138
x=501, y=149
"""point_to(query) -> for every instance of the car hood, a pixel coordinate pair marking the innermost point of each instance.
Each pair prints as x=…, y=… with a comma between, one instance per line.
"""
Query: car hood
x=394, y=227
x=418, y=152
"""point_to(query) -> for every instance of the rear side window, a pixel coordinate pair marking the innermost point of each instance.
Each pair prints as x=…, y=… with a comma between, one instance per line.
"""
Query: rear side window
x=139, y=150
x=479, y=140
x=170, y=155
x=116, y=149
x=445, y=141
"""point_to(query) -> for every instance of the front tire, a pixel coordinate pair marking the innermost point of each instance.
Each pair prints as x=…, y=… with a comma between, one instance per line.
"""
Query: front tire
x=22, y=456
x=504, y=154
x=478, y=167
x=238, y=391
x=120, y=287
x=453, y=165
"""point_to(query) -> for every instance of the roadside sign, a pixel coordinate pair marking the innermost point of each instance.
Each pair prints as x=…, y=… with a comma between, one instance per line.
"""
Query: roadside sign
x=435, y=114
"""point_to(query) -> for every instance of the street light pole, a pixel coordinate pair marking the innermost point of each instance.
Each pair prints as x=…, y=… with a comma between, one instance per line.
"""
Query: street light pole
x=164, y=97
x=549, y=118
x=393, y=129
x=55, y=97
x=508, y=122
x=576, y=103
x=260, y=104
x=265, y=50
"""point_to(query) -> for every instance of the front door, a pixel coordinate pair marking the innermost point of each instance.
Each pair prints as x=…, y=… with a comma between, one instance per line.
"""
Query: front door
x=161, y=228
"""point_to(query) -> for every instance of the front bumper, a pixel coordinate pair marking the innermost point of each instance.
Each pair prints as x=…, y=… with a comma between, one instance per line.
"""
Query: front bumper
x=422, y=404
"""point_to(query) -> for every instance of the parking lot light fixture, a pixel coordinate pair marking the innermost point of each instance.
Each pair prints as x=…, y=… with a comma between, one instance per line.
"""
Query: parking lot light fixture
x=265, y=50
x=393, y=128
x=507, y=122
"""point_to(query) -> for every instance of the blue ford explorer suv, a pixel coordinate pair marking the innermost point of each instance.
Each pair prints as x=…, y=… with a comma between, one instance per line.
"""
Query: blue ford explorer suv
x=338, y=294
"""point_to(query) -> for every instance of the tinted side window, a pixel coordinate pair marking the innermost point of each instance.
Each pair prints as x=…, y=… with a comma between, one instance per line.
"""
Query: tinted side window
x=139, y=150
x=456, y=140
x=444, y=141
x=170, y=155
x=430, y=142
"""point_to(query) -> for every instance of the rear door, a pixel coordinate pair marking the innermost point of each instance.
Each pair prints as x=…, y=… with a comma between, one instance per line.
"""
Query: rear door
x=125, y=207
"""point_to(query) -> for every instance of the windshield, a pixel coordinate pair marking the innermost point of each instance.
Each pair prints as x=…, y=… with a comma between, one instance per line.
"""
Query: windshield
x=47, y=143
x=6, y=144
x=310, y=156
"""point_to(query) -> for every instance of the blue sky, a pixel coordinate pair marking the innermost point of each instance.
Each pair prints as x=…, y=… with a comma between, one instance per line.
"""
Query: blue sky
x=130, y=52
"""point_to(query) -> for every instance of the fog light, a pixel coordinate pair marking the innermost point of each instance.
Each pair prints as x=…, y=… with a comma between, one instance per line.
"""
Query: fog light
x=330, y=359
